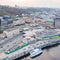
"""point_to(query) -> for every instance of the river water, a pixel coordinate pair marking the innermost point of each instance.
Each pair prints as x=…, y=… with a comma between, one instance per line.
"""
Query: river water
x=51, y=53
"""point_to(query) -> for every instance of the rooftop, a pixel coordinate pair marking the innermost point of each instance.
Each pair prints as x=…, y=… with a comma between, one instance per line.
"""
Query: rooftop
x=9, y=52
x=11, y=29
x=49, y=20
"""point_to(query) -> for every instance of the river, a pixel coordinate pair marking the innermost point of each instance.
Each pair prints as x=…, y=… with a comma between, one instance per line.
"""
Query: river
x=51, y=53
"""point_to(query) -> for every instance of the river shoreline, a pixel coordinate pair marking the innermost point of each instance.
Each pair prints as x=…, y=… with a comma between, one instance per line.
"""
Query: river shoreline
x=45, y=48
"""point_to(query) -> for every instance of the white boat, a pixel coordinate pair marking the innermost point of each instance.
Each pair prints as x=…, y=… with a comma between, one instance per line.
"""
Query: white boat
x=35, y=52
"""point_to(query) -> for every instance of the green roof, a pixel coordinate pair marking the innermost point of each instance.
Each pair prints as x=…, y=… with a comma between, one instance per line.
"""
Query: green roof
x=17, y=49
x=50, y=37
x=49, y=20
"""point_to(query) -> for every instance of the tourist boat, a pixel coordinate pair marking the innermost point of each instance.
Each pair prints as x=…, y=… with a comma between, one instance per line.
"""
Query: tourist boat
x=35, y=52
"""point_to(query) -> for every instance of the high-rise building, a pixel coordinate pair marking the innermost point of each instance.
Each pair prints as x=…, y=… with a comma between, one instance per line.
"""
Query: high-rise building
x=57, y=22
x=5, y=22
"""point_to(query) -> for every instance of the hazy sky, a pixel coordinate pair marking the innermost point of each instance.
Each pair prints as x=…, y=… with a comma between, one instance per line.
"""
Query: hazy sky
x=32, y=3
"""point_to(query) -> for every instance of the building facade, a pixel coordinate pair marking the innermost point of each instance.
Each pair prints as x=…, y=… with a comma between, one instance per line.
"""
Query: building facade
x=57, y=22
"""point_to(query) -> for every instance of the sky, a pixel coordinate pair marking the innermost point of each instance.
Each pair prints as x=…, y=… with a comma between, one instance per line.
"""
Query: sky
x=32, y=3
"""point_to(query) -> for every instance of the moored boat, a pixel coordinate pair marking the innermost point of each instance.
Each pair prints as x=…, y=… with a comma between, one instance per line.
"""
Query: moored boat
x=35, y=52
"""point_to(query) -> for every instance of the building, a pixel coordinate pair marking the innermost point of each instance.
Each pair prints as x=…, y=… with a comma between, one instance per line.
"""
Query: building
x=3, y=24
x=57, y=22
x=27, y=19
x=40, y=21
x=2, y=36
x=11, y=32
x=49, y=22
x=18, y=22
x=8, y=19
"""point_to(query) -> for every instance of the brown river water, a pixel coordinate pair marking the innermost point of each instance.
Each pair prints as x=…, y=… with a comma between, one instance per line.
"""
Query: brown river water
x=50, y=53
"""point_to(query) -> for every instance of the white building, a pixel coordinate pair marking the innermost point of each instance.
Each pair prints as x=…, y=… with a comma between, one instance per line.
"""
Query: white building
x=18, y=22
x=12, y=32
x=29, y=33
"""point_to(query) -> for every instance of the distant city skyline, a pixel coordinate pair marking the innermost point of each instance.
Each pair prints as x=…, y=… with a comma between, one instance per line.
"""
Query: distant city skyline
x=32, y=3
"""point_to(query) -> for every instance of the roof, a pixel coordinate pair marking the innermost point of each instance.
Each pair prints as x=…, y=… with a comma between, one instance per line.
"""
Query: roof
x=58, y=18
x=50, y=36
x=11, y=29
x=49, y=20
x=29, y=33
x=16, y=49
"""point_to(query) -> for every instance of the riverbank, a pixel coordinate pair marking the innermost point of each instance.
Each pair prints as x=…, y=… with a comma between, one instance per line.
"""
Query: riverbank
x=45, y=51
